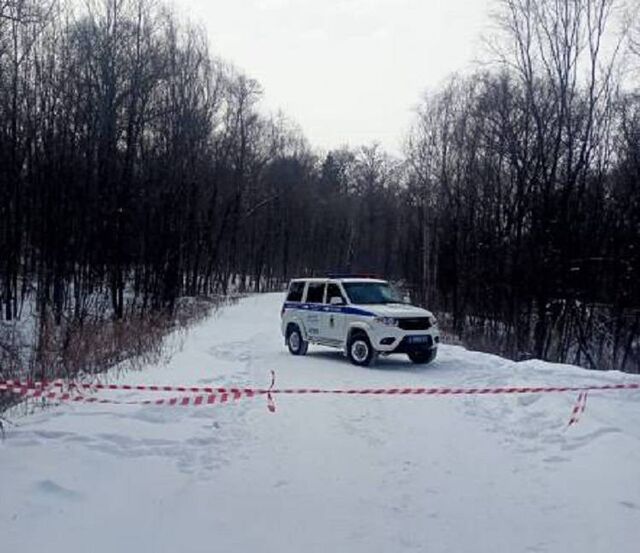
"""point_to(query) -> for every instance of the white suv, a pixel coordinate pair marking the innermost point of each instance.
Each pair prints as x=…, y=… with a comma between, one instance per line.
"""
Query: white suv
x=364, y=317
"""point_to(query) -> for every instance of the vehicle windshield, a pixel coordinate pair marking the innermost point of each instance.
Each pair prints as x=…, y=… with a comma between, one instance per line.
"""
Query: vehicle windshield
x=371, y=292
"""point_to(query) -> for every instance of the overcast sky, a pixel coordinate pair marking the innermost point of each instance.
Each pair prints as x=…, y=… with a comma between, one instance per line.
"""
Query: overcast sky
x=348, y=71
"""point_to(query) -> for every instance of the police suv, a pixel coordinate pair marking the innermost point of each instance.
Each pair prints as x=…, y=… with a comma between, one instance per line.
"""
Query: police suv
x=365, y=317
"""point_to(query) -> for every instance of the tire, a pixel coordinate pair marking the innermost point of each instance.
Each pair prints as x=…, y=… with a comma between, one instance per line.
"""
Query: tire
x=423, y=357
x=359, y=350
x=295, y=342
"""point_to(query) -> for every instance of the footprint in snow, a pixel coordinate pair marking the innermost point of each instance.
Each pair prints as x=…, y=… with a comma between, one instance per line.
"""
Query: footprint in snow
x=556, y=459
x=50, y=489
x=579, y=442
x=528, y=399
x=51, y=434
x=234, y=351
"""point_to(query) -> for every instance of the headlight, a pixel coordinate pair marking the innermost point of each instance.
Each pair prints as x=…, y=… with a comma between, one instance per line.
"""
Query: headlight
x=388, y=321
x=432, y=321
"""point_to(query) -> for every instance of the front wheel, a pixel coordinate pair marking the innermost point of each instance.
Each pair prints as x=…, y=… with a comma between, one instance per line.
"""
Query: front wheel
x=359, y=350
x=295, y=342
x=423, y=357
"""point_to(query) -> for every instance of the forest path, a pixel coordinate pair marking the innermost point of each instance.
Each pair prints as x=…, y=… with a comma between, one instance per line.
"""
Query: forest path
x=327, y=473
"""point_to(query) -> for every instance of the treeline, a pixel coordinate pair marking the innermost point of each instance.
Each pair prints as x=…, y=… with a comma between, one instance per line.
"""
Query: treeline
x=526, y=183
x=132, y=161
x=137, y=166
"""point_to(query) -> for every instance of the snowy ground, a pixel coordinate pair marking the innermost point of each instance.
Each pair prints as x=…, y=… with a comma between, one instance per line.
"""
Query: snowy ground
x=327, y=473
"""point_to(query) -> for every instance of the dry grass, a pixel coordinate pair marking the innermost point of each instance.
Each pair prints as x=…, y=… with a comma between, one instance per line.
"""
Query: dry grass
x=85, y=348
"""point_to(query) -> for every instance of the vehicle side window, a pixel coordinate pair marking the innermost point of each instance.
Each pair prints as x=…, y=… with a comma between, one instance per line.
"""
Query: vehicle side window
x=295, y=291
x=333, y=291
x=315, y=292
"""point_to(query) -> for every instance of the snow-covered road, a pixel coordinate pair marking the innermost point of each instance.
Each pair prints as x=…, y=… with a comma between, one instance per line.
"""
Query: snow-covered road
x=327, y=473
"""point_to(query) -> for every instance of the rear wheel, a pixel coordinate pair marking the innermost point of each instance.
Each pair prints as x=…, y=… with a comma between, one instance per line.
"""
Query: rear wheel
x=295, y=342
x=423, y=357
x=359, y=350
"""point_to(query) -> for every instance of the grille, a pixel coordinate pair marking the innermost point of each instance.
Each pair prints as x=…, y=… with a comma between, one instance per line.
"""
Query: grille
x=417, y=323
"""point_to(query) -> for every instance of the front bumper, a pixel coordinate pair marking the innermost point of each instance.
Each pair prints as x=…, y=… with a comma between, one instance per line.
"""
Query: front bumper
x=407, y=346
x=394, y=340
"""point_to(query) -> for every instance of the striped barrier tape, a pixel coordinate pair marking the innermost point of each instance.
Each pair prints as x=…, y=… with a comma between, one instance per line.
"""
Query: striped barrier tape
x=209, y=395
x=271, y=405
x=39, y=385
x=202, y=399
x=578, y=408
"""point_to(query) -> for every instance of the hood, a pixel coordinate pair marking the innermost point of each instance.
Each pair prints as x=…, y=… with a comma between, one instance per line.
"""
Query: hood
x=398, y=310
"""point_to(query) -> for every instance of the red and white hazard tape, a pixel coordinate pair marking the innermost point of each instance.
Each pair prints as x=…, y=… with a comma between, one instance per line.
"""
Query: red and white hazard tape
x=208, y=399
x=578, y=408
x=39, y=385
x=209, y=395
x=456, y=391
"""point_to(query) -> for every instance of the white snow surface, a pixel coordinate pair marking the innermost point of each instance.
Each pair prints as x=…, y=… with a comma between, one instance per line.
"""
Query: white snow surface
x=327, y=473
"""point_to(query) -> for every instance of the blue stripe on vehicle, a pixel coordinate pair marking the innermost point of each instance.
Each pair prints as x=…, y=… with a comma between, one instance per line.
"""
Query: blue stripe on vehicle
x=348, y=310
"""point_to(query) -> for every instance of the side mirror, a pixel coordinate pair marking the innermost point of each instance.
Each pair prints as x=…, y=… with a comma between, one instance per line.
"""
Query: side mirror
x=407, y=298
x=335, y=300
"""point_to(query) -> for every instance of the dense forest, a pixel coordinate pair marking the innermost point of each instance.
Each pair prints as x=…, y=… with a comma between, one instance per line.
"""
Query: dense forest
x=137, y=168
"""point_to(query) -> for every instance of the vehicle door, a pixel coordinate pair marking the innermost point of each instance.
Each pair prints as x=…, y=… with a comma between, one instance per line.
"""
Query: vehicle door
x=333, y=321
x=313, y=309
